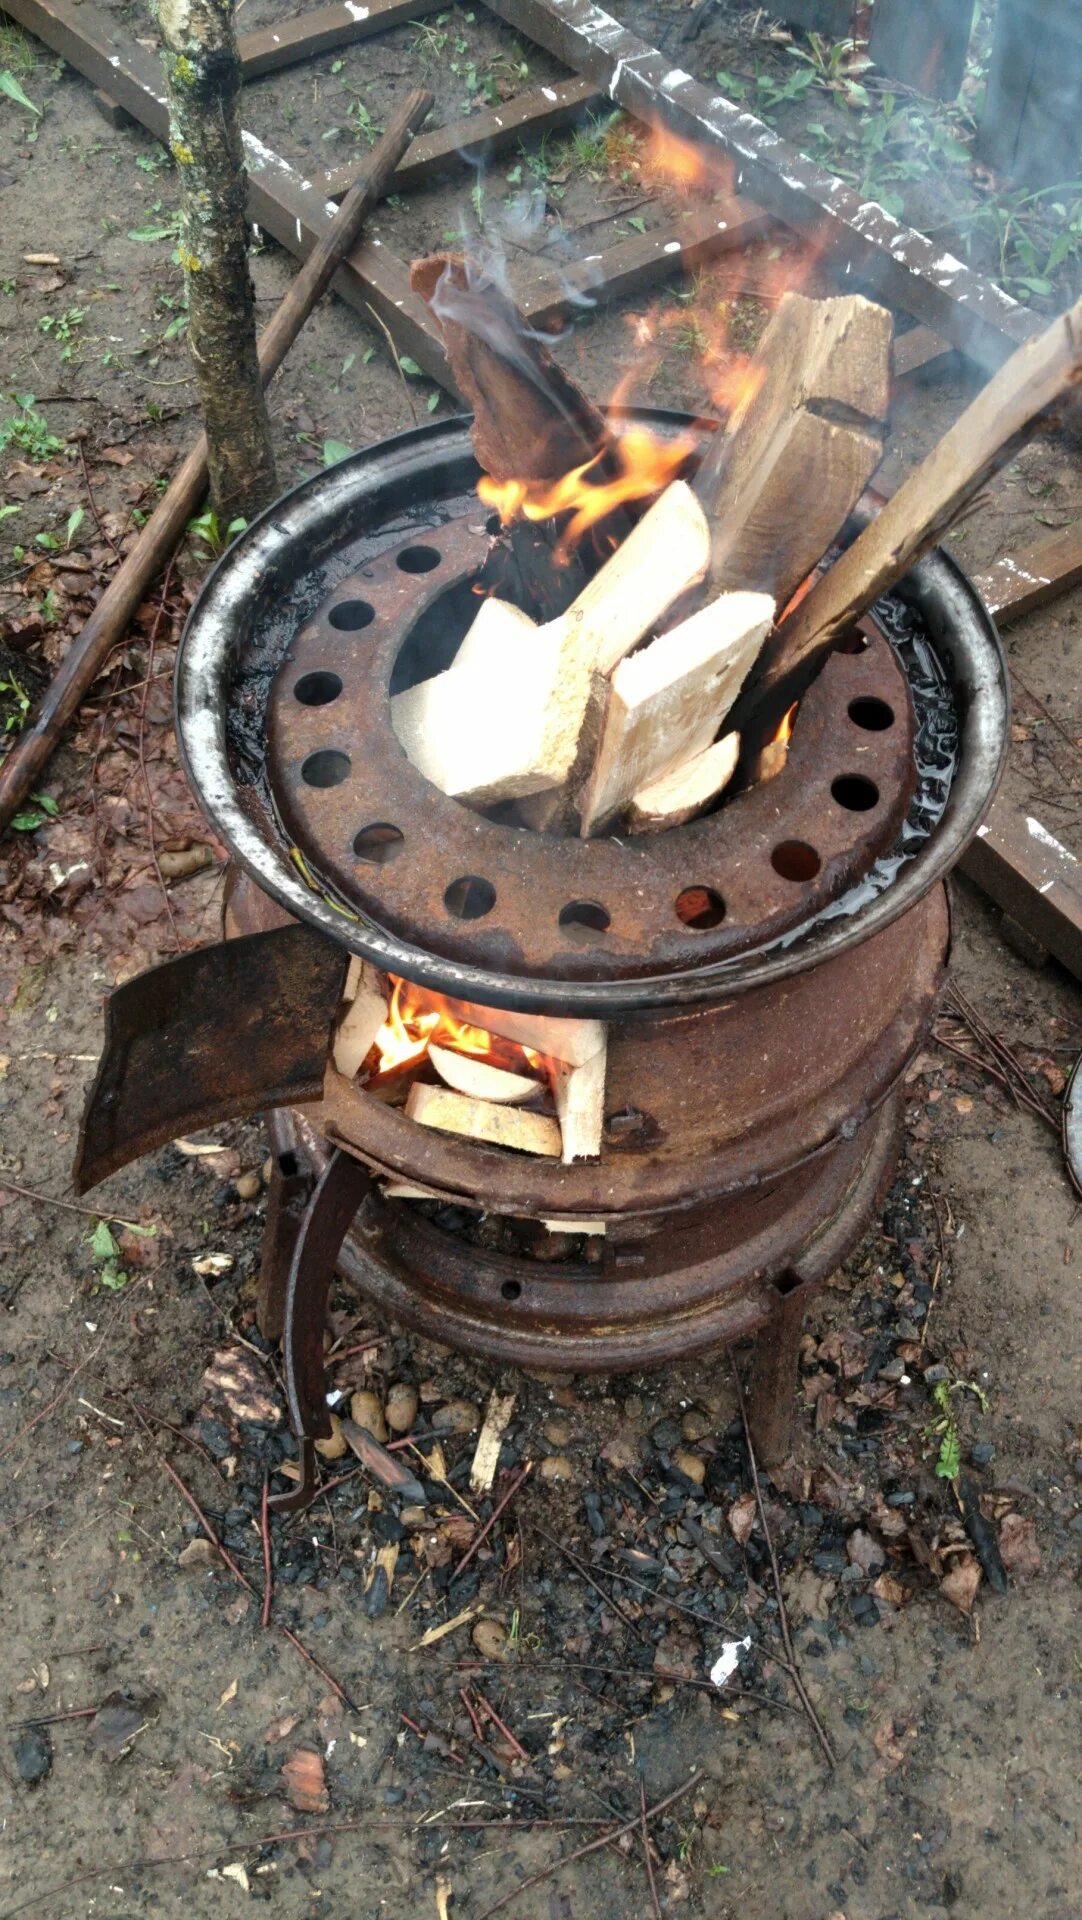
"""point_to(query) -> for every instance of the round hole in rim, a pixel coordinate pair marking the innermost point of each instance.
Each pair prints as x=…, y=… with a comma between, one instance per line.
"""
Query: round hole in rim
x=855, y=792
x=493, y=524
x=470, y=897
x=317, y=689
x=511, y=1289
x=378, y=842
x=700, y=908
x=873, y=715
x=795, y=860
x=419, y=559
x=585, y=917
x=326, y=768
x=349, y=616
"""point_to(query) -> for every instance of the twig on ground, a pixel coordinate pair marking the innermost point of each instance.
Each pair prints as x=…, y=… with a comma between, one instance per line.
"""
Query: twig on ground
x=107, y=537
x=488, y=1708
x=629, y=1826
x=55, y=1402
x=939, y=1265
x=268, y=1569
x=394, y=355
x=783, y=1617
x=960, y=1007
x=67, y=1206
x=653, y=1676
x=479, y=1538
x=50, y=1719
x=656, y=1904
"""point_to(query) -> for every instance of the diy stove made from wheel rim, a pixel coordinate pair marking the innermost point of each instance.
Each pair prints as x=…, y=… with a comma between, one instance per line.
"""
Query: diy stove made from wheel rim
x=766, y=971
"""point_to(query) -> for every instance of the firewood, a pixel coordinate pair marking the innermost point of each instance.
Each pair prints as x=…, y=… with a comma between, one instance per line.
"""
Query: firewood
x=492, y=635
x=580, y=1104
x=479, y=1080
x=486, y=1456
x=573, y=1041
x=779, y=481
x=575, y=1223
x=509, y=724
x=362, y=1019
x=484, y=1121
x=665, y=704
x=530, y=420
x=1002, y=418
x=678, y=796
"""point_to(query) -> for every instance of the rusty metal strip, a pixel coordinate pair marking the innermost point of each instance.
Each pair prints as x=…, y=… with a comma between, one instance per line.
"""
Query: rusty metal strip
x=212, y=1035
x=280, y=200
x=907, y=268
x=331, y=1212
x=320, y=31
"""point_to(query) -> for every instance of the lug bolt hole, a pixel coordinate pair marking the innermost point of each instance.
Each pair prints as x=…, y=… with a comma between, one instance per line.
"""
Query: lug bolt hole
x=327, y=768
x=584, y=920
x=511, y=1289
x=470, y=897
x=855, y=792
x=419, y=559
x=378, y=843
x=873, y=715
x=349, y=616
x=795, y=860
x=700, y=908
x=317, y=689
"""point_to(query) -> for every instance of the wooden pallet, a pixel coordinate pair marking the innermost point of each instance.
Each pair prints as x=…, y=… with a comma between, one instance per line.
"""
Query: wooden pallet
x=955, y=308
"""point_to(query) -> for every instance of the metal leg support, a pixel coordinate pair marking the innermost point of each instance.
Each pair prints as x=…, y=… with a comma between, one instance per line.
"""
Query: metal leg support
x=772, y=1395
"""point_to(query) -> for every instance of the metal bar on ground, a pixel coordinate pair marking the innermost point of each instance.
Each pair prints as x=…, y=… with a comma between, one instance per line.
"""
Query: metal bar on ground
x=542, y=110
x=280, y=201
x=1021, y=865
x=638, y=263
x=320, y=31
x=906, y=268
x=1018, y=583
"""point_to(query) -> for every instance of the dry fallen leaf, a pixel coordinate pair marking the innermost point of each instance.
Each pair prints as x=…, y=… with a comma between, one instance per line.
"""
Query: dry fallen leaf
x=212, y=1266
x=229, y=1694
x=235, y=1376
x=1018, y=1547
x=889, y=1590
x=960, y=1585
x=443, y=1894
x=742, y=1518
x=235, y=1871
x=281, y=1729
x=306, y=1782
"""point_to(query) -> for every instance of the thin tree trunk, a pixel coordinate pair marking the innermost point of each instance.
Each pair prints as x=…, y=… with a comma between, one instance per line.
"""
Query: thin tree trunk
x=199, y=53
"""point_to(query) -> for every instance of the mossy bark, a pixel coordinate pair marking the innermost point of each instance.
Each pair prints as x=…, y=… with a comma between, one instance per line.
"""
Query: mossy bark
x=202, y=71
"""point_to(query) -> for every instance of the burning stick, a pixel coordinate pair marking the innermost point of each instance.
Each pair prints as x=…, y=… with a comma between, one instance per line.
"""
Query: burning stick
x=1034, y=380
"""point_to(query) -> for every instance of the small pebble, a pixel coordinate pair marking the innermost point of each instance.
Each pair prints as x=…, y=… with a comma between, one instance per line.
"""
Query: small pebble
x=33, y=1756
x=335, y=1446
x=690, y=1464
x=248, y=1185
x=696, y=1425
x=490, y=1639
x=401, y=1407
x=556, y=1466
x=198, y=1554
x=456, y=1416
x=365, y=1410
x=557, y=1432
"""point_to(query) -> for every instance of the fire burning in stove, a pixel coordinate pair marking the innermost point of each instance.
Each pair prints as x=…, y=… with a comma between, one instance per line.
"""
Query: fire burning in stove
x=418, y=1018
x=644, y=465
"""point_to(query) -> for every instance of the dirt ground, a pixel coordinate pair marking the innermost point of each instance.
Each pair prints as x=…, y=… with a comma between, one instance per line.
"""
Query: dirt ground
x=194, y=1761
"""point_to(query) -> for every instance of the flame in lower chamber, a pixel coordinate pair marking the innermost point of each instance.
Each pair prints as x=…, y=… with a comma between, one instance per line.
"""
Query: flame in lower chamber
x=417, y=1017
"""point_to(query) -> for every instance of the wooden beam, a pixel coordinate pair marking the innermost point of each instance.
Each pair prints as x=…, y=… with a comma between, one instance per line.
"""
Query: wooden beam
x=280, y=200
x=1018, y=583
x=637, y=264
x=902, y=266
x=1026, y=869
x=321, y=30
x=919, y=349
x=477, y=136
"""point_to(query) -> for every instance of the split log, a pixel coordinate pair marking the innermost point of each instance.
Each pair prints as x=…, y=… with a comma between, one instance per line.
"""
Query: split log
x=484, y=1121
x=362, y=1019
x=580, y=1104
x=531, y=421
x=665, y=704
x=1032, y=383
x=573, y=1041
x=780, y=479
x=678, y=796
x=508, y=722
x=480, y=1081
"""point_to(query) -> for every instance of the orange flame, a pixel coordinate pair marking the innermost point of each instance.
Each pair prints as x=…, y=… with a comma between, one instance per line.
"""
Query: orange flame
x=644, y=465
x=785, y=727
x=417, y=1016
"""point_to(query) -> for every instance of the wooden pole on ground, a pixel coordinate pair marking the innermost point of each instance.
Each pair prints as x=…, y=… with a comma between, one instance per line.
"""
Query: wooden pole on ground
x=162, y=533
